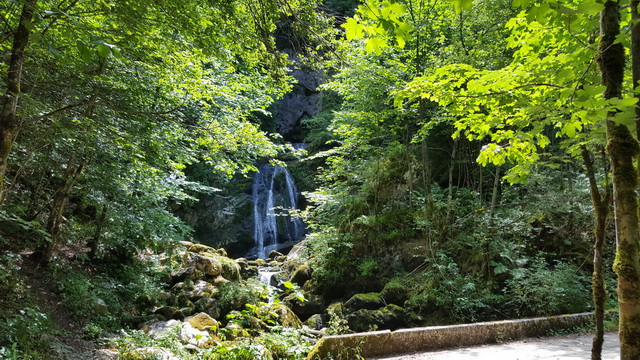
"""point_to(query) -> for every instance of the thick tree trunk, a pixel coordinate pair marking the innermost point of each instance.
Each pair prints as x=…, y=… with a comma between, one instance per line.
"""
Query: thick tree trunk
x=8, y=118
x=601, y=211
x=622, y=149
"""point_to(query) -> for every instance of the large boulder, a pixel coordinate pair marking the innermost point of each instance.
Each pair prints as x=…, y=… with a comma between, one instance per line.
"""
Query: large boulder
x=301, y=274
x=206, y=263
x=286, y=317
x=203, y=321
x=230, y=268
x=389, y=317
x=311, y=305
x=368, y=301
x=192, y=336
x=395, y=293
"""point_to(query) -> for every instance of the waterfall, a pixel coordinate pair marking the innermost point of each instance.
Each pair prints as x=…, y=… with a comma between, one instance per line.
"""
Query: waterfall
x=274, y=194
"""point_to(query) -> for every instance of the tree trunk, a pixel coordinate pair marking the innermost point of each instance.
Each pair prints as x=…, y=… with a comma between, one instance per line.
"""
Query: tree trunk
x=60, y=199
x=8, y=119
x=622, y=149
x=95, y=239
x=494, y=195
x=601, y=211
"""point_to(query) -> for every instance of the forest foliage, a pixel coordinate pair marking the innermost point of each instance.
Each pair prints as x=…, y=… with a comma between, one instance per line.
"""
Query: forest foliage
x=454, y=160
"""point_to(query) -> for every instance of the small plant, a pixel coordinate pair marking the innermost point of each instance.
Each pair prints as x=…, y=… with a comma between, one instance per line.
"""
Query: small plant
x=11, y=353
x=337, y=324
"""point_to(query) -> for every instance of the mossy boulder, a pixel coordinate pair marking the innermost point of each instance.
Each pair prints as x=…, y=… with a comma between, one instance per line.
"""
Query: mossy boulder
x=395, y=293
x=336, y=309
x=389, y=317
x=368, y=301
x=209, y=306
x=286, y=317
x=301, y=274
x=230, y=268
x=201, y=289
x=315, y=322
x=203, y=321
x=169, y=312
x=279, y=278
x=206, y=263
x=312, y=304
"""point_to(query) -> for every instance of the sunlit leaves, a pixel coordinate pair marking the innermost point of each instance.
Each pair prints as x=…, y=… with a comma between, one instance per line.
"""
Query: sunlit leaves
x=380, y=23
x=460, y=5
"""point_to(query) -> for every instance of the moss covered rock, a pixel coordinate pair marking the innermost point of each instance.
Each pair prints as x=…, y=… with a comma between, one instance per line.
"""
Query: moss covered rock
x=368, y=301
x=286, y=317
x=315, y=322
x=389, y=317
x=395, y=293
x=203, y=321
x=312, y=304
x=301, y=274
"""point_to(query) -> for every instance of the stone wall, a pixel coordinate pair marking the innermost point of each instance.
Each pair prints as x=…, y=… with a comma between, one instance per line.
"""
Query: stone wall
x=380, y=343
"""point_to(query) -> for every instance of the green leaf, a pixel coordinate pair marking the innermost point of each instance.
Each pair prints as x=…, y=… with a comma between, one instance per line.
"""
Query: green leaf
x=460, y=5
x=103, y=50
x=375, y=45
x=590, y=7
x=85, y=54
x=355, y=30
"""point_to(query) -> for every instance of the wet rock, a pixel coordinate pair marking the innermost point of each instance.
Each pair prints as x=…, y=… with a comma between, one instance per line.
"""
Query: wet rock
x=279, y=278
x=274, y=254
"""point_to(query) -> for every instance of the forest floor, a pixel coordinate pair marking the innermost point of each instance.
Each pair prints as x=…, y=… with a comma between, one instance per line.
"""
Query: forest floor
x=66, y=337
x=569, y=347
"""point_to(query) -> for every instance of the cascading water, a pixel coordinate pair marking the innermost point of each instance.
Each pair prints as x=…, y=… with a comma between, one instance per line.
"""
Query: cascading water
x=274, y=195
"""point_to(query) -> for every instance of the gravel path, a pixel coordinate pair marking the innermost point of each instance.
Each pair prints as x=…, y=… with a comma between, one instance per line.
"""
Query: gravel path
x=570, y=347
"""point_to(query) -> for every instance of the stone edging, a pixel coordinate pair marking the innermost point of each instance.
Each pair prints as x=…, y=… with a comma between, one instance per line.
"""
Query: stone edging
x=386, y=342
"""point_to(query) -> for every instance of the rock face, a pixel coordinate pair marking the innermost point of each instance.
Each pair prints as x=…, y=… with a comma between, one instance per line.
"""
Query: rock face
x=302, y=102
x=223, y=219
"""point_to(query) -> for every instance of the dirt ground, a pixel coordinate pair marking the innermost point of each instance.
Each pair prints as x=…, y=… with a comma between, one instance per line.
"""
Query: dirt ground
x=570, y=347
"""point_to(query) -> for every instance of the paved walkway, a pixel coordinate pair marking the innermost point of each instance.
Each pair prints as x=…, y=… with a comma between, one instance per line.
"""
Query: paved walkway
x=570, y=347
